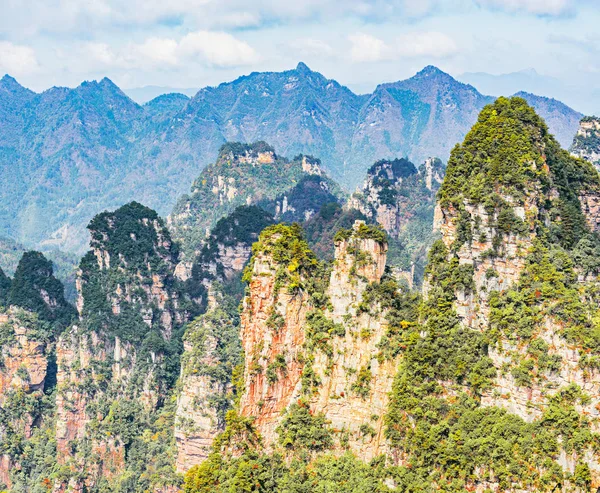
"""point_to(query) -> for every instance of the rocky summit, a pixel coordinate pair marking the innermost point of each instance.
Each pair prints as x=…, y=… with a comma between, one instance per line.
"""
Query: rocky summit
x=586, y=143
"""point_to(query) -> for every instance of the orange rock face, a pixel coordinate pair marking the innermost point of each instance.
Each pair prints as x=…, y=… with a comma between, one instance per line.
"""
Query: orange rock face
x=358, y=263
x=262, y=344
x=24, y=367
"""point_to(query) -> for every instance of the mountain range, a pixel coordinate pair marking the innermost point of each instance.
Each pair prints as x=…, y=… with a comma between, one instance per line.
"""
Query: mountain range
x=67, y=154
x=296, y=358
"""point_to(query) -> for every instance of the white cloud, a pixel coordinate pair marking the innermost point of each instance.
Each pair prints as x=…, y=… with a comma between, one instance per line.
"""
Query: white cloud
x=99, y=52
x=160, y=51
x=239, y=19
x=17, y=59
x=426, y=44
x=218, y=48
x=539, y=7
x=368, y=48
x=308, y=47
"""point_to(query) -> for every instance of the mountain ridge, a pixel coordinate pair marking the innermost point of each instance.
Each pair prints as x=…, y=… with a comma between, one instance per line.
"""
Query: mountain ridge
x=70, y=153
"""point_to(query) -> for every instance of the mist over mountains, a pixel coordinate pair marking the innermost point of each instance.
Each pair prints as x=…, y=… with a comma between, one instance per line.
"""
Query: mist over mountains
x=67, y=154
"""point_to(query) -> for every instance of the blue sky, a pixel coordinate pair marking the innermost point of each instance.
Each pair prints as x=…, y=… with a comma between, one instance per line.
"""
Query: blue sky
x=194, y=43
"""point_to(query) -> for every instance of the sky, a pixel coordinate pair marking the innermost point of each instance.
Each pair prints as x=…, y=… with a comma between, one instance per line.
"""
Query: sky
x=195, y=43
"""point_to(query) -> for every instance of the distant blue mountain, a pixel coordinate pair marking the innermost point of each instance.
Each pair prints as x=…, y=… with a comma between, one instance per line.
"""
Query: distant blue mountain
x=67, y=154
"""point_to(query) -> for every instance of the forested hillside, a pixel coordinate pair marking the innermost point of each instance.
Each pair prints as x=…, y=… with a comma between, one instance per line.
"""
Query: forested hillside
x=270, y=356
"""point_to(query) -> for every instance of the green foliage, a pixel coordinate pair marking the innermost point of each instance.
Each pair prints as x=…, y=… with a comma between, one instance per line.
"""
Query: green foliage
x=200, y=211
x=4, y=288
x=509, y=153
x=133, y=233
x=503, y=149
x=300, y=429
x=320, y=331
x=384, y=175
x=64, y=264
x=241, y=228
x=321, y=228
x=547, y=288
x=290, y=254
x=304, y=199
x=265, y=474
x=586, y=255
x=139, y=247
x=221, y=329
x=147, y=438
x=238, y=149
x=277, y=366
x=362, y=385
x=35, y=288
x=363, y=232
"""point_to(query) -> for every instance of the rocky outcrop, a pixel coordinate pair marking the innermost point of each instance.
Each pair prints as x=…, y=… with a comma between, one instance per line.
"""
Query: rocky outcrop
x=590, y=206
x=586, y=144
x=243, y=174
x=24, y=353
x=117, y=357
x=355, y=383
x=134, y=242
x=497, y=259
x=499, y=242
x=401, y=199
x=24, y=356
x=272, y=334
x=211, y=351
x=280, y=331
x=394, y=190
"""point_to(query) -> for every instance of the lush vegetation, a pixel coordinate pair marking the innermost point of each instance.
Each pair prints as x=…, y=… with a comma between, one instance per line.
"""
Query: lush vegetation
x=321, y=228
x=362, y=232
x=4, y=288
x=135, y=247
x=35, y=288
x=395, y=192
x=240, y=229
x=65, y=264
x=135, y=234
x=385, y=174
x=510, y=153
x=236, y=178
x=304, y=199
x=290, y=254
x=441, y=437
x=217, y=329
x=435, y=421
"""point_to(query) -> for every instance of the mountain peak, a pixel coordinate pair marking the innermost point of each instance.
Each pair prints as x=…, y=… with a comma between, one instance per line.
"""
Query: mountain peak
x=7, y=79
x=302, y=67
x=106, y=82
x=10, y=83
x=432, y=71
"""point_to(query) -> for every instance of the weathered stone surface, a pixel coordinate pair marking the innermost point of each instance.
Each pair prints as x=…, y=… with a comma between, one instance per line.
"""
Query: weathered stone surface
x=197, y=423
x=358, y=263
x=391, y=193
x=25, y=352
x=23, y=368
x=499, y=272
x=262, y=344
x=586, y=143
x=590, y=206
